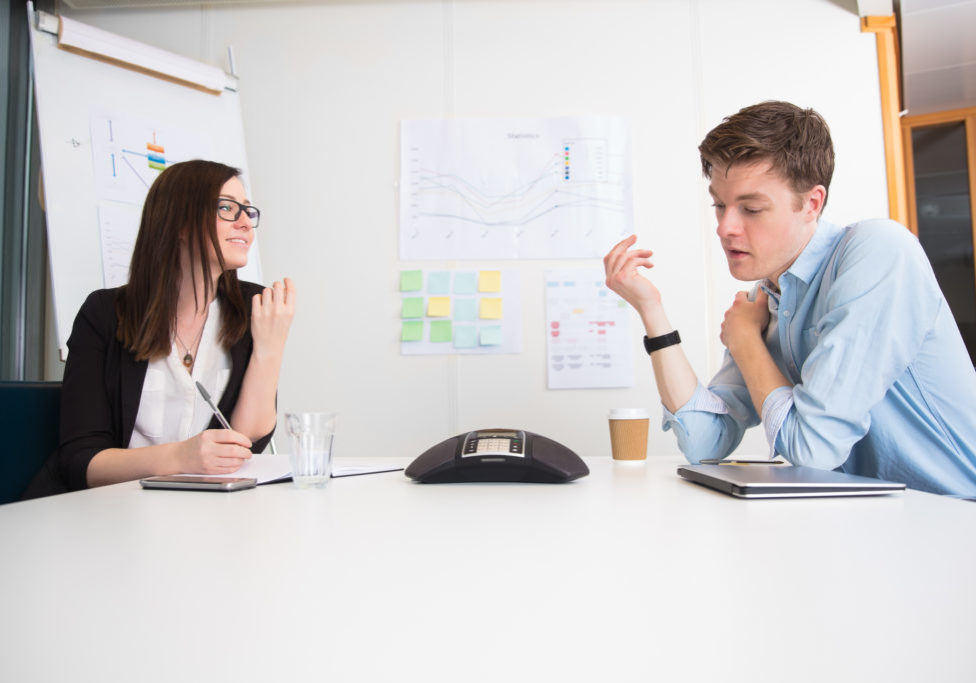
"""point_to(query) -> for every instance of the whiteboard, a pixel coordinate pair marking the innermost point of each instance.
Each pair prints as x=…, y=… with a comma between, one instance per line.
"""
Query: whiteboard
x=101, y=130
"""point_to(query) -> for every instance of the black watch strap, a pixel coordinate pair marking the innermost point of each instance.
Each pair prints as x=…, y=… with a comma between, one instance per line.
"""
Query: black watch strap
x=662, y=342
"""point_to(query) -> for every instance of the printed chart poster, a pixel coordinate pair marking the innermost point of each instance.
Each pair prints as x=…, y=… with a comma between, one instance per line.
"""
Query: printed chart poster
x=127, y=156
x=588, y=337
x=460, y=311
x=514, y=188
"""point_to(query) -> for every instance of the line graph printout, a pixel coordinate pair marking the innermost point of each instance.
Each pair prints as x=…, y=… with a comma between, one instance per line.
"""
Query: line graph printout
x=514, y=188
x=587, y=332
x=118, y=224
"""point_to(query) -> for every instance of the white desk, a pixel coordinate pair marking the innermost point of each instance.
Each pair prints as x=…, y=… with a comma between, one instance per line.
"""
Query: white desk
x=629, y=574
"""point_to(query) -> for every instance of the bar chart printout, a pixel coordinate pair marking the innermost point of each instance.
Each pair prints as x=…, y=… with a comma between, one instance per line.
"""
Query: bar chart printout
x=127, y=157
x=588, y=339
x=514, y=188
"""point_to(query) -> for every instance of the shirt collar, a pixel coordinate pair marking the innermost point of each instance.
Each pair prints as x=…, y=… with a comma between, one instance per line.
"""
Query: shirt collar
x=808, y=263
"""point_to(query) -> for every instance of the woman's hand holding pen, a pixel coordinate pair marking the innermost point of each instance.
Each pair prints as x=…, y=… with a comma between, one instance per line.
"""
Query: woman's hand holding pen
x=213, y=451
x=271, y=313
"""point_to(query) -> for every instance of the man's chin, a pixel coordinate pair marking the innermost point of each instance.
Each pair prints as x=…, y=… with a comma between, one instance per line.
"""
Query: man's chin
x=742, y=274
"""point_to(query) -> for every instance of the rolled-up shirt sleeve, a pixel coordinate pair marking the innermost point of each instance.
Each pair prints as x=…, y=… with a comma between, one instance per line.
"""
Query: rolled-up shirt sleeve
x=711, y=423
x=776, y=407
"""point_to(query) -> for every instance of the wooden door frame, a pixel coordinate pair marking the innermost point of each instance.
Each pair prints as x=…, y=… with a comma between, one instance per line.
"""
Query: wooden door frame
x=965, y=116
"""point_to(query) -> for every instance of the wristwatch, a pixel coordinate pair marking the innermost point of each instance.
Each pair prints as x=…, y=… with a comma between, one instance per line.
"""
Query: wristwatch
x=662, y=342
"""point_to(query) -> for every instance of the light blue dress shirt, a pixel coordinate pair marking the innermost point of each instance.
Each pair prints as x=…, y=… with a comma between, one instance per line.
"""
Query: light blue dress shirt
x=883, y=384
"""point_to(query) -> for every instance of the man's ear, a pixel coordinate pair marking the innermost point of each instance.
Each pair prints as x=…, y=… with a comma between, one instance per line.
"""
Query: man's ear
x=813, y=201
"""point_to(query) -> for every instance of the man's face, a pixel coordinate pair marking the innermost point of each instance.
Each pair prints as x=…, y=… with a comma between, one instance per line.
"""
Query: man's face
x=762, y=223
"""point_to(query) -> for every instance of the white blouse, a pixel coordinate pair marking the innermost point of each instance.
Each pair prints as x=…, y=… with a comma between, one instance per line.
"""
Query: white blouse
x=171, y=408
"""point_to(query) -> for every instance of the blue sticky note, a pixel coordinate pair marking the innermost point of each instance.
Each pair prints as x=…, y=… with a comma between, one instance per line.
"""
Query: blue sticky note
x=491, y=335
x=465, y=336
x=465, y=283
x=439, y=283
x=465, y=309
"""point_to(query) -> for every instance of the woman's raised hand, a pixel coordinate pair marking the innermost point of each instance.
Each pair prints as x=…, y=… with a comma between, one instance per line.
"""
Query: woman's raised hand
x=271, y=314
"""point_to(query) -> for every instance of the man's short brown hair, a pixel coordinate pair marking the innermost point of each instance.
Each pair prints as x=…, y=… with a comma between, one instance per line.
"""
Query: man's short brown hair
x=796, y=142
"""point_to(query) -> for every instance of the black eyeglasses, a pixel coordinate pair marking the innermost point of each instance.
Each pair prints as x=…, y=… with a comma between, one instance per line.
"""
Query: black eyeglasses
x=230, y=210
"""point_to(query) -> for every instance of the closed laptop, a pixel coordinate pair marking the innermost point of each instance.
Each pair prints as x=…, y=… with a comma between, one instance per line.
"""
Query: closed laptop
x=779, y=481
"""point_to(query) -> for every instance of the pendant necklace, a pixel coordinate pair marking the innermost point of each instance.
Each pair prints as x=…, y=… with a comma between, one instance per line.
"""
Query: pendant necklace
x=188, y=357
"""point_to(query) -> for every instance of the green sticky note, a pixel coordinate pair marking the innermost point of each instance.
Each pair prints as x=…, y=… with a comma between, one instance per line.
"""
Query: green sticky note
x=411, y=280
x=491, y=335
x=465, y=283
x=412, y=330
x=413, y=307
x=465, y=336
x=440, y=330
x=439, y=283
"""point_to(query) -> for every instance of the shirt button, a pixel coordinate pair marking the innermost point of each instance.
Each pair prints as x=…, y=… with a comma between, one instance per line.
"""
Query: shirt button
x=786, y=314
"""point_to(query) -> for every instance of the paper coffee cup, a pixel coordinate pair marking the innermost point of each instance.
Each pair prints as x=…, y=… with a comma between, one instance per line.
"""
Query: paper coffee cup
x=628, y=433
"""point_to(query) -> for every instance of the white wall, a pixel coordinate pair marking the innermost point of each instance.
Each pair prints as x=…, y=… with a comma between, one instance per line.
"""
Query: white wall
x=323, y=89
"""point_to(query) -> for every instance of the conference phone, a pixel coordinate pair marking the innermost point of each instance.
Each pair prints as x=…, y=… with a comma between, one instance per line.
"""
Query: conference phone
x=512, y=455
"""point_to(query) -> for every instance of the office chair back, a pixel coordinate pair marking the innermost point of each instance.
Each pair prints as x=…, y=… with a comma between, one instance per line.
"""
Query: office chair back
x=29, y=423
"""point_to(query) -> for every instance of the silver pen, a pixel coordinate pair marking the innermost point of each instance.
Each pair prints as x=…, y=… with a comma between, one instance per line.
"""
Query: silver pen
x=216, y=411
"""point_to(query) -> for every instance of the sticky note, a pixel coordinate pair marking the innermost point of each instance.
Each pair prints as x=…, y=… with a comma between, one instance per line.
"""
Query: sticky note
x=439, y=283
x=439, y=306
x=412, y=330
x=465, y=283
x=465, y=310
x=491, y=335
x=465, y=336
x=413, y=307
x=440, y=330
x=411, y=280
x=491, y=308
x=490, y=281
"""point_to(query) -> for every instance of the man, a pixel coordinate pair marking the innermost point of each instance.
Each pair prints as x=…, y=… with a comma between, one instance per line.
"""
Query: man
x=846, y=350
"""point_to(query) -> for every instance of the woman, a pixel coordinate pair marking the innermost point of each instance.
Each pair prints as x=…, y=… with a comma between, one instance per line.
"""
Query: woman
x=130, y=407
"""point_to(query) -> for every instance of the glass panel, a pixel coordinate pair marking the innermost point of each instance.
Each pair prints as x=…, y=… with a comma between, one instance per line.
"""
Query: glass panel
x=944, y=218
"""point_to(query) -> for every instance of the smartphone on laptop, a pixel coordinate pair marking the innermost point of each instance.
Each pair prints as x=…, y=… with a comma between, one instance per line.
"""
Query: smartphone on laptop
x=189, y=482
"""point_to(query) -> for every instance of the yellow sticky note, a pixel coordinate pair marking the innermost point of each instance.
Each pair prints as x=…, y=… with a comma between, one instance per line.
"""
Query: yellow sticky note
x=490, y=281
x=490, y=309
x=439, y=306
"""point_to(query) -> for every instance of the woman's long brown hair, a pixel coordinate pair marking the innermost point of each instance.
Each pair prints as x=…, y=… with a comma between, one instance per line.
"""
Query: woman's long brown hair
x=180, y=205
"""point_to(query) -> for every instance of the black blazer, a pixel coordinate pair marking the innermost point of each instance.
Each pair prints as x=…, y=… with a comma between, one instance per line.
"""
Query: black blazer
x=102, y=386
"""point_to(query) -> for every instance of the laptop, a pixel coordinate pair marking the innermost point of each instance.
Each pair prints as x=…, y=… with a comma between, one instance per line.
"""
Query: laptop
x=779, y=481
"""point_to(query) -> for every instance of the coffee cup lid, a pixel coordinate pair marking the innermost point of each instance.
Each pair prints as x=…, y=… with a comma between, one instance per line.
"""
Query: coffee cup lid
x=628, y=414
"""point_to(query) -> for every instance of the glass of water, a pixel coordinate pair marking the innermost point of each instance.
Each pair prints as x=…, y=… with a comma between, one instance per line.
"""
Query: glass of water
x=311, y=436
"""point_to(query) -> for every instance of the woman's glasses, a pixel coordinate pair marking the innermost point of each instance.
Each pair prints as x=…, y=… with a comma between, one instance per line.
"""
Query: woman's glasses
x=229, y=210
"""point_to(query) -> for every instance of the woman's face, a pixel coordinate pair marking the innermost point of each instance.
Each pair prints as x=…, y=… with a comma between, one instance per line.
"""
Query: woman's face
x=234, y=236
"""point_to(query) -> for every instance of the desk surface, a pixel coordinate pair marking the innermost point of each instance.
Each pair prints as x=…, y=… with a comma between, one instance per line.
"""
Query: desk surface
x=628, y=574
